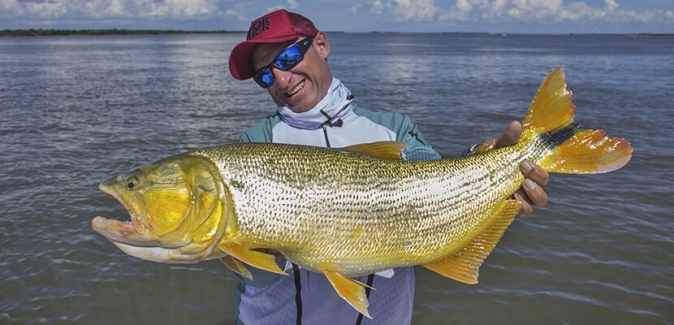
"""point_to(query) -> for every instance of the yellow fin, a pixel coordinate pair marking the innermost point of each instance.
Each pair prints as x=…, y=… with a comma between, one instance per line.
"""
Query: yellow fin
x=257, y=259
x=350, y=290
x=485, y=146
x=236, y=266
x=464, y=266
x=589, y=152
x=551, y=108
x=574, y=150
x=390, y=150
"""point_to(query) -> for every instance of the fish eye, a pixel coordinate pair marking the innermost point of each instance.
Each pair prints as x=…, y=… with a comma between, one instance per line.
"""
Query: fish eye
x=131, y=183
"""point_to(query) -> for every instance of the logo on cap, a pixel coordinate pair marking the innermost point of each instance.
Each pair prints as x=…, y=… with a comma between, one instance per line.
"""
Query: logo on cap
x=258, y=27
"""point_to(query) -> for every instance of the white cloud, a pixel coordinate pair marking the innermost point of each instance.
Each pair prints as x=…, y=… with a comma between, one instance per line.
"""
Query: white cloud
x=610, y=5
x=290, y=5
x=108, y=9
x=368, y=14
x=406, y=10
x=631, y=15
x=580, y=10
x=495, y=8
x=534, y=9
x=540, y=11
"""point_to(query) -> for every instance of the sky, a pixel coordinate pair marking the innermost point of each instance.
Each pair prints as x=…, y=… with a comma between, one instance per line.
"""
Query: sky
x=490, y=16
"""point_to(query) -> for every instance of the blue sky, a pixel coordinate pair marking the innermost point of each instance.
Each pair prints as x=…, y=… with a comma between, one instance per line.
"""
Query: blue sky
x=492, y=16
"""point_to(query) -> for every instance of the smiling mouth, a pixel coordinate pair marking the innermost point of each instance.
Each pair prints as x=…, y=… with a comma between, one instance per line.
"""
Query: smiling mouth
x=296, y=90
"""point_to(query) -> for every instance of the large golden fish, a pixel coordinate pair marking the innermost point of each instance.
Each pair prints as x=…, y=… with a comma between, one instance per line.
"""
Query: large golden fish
x=347, y=212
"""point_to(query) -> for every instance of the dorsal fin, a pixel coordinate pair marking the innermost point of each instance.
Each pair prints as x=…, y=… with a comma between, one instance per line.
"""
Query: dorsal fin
x=390, y=150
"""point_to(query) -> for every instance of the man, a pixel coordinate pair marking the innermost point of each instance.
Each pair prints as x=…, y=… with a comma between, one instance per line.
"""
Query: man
x=285, y=54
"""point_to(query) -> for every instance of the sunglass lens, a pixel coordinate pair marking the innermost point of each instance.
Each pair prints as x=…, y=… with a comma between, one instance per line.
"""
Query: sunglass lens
x=289, y=58
x=264, y=77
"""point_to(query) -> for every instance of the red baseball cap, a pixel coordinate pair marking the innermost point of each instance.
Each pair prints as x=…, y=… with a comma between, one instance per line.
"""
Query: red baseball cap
x=275, y=27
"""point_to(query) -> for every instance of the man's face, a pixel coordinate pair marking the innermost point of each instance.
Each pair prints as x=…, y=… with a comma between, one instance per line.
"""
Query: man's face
x=303, y=86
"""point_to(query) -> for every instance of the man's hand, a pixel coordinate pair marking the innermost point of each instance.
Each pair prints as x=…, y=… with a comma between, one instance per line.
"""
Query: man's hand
x=531, y=193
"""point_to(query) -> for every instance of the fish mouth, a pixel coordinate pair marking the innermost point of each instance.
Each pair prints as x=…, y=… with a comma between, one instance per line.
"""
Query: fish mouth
x=122, y=235
x=131, y=232
x=123, y=232
x=135, y=238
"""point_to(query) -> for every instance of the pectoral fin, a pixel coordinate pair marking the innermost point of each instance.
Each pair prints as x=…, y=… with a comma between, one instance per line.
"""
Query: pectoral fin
x=464, y=266
x=384, y=149
x=350, y=290
x=257, y=259
x=236, y=266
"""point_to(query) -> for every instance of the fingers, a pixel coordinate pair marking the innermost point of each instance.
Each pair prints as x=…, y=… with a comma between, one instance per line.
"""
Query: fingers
x=532, y=194
x=510, y=135
x=534, y=173
x=526, y=208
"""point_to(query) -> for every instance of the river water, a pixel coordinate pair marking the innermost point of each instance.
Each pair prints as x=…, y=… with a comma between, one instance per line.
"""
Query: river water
x=77, y=110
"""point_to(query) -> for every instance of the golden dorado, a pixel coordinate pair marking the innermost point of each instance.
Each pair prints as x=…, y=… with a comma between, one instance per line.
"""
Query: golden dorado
x=348, y=212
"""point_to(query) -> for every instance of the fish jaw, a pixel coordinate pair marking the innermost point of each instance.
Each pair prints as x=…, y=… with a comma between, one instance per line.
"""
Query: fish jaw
x=147, y=247
x=175, y=211
x=123, y=232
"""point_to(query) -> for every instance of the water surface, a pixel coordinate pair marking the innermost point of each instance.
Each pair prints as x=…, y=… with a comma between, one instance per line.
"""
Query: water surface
x=78, y=110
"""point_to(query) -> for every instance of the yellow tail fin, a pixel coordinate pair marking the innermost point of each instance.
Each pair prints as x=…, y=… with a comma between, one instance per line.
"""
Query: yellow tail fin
x=551, y=108
x=575, y=150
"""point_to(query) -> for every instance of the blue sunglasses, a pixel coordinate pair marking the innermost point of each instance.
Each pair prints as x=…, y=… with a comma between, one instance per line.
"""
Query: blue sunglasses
x=285, y=61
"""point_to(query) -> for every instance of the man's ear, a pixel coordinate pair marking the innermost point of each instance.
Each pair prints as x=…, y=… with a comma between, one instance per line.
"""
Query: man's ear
x=322, y=46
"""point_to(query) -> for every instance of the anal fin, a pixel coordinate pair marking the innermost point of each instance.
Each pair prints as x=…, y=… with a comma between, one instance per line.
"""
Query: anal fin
x=350, y=290
x=254, y=258
x=236, y=266
x=464, y=266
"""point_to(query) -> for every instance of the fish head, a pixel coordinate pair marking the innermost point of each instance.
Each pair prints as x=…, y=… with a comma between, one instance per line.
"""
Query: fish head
x=176, y=207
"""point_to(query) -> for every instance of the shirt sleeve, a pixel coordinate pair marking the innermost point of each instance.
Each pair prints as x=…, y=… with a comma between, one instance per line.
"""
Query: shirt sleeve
x=418, y=148
x=260, y=132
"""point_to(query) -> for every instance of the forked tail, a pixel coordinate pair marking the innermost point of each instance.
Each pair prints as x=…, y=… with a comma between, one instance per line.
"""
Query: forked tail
x=575, y=150
x=568, y=149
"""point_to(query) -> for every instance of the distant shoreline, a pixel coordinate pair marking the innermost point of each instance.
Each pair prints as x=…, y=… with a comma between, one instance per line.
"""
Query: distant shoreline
x=114, y=31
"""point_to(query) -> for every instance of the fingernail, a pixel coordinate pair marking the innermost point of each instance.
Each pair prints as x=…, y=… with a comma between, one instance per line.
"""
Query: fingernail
x=529, y=184
x=526, y=166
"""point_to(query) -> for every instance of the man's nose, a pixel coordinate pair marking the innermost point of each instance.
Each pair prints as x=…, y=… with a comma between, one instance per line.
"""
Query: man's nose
x=282, y=77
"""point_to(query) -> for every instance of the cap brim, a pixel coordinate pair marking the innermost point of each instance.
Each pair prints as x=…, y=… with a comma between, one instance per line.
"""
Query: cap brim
x=240, y=61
